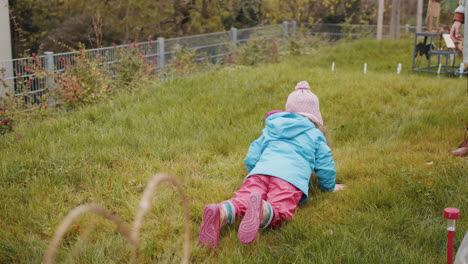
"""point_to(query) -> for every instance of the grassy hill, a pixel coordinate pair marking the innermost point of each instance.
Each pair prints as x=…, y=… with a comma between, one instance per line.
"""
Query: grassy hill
x=390, y=136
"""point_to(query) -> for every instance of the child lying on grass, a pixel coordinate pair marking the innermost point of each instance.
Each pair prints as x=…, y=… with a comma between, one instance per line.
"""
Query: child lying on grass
x=280, y=164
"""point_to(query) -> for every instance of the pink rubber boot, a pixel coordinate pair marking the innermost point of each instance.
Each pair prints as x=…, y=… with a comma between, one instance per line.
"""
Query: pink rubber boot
x=211, y=224
x=249, y=226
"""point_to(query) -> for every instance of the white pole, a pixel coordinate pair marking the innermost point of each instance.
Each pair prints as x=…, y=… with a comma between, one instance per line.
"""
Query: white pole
x=462, y=67
x=365, y=68
x=5, y=43
x=5, y=46
x=438, y=70
x=419, y=14
x=380, y=20
x=333, y=67
x=399, y=68
x=161, y=53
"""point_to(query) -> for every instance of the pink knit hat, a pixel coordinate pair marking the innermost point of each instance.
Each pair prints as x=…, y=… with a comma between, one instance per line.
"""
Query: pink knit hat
x=304, y=102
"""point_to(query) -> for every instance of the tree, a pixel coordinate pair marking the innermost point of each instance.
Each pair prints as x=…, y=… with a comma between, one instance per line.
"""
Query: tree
x=380, y=20
x=395, y=20
x=246, y=13
x=419, y=16
x=59, y=25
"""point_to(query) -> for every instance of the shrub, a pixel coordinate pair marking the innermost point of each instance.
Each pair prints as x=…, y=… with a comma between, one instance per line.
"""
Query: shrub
x=15, y=107
x=183, y=61
x=6, y=122
x=133, y=67
x=20, y=104
x=352, y=31
x=258, y=50
x=303, y=42
x=229, y=56
x=274, y=51
x=82, y=81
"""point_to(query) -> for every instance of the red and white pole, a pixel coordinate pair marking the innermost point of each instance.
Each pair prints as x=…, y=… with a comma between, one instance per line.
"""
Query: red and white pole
x=452, y=214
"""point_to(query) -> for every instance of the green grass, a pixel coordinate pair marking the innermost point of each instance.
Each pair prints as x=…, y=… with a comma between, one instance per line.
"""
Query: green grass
x=383, y=128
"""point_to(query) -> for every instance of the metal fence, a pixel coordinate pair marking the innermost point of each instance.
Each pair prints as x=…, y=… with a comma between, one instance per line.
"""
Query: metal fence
x=334, y=32
x=17, y=72
x=211, y=47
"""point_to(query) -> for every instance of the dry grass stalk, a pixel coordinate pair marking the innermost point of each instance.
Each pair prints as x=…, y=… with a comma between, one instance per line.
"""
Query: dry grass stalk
x=132, y=237
x=83, y=237
x=145, y=205
x=73, y=215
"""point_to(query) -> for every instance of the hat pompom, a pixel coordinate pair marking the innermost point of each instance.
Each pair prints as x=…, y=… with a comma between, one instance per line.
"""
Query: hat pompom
x=303, y=85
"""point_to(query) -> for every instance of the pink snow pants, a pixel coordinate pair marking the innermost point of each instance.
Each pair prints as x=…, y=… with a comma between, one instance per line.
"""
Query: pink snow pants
x=280, y=194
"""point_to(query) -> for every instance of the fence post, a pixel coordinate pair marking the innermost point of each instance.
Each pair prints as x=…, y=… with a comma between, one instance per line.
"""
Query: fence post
x=161, y=55
x=406, y=28
x=49, y=81
x=234, y=37
x=285, y=33
x=49, y=66
x=293, y=29
x=285, y=29
x=6, y=66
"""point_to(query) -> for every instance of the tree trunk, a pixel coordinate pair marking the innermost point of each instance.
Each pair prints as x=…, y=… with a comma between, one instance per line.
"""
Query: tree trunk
x=395, y=20
x=419, y=15
x=293, y=7
x=380, y=19
x=182, y=16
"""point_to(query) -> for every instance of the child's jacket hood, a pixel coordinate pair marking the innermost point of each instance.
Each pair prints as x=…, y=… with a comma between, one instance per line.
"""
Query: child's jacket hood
x=287, y=125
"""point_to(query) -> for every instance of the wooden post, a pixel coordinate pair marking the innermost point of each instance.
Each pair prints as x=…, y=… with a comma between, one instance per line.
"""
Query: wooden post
x=433, y=11
x=419, y=15
x=395, y=20
x=380, y=20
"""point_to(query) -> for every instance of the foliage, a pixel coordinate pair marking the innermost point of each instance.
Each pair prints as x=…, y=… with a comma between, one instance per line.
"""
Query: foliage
x=258, y=50
x=46, y=25
x=274, y=51
x=229, y=57
x=353, y=31
x=83, y=81
x=22, y=104
x=183, y=61
x=134, y=68
x=245, y=14
x=15, y=109
x=303, y=42
x=6, y=123
x=449, y=6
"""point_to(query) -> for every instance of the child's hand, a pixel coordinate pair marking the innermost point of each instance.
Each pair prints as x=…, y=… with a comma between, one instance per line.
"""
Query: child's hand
x=339, y=187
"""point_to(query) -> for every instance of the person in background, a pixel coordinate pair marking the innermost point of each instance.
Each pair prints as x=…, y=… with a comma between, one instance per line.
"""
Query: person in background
x=455, y=33
x=462, y=149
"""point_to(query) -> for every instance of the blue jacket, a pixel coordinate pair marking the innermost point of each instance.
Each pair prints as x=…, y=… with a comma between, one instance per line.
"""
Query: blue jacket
x=291, y=148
